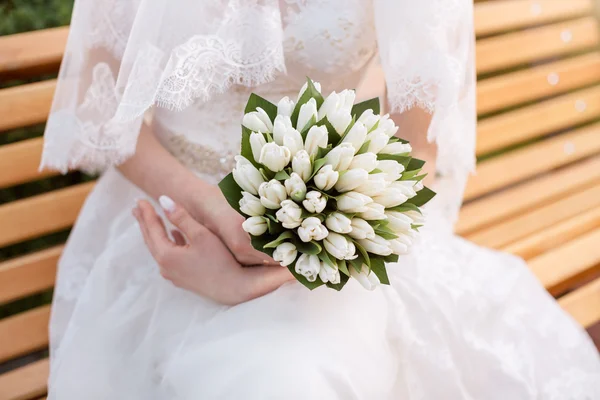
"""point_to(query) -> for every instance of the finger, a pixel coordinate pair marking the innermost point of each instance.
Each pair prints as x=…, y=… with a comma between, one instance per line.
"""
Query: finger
x=157, y=234
x=178, y=237
x=264, y=280
x=179, y=217
x=142, y=224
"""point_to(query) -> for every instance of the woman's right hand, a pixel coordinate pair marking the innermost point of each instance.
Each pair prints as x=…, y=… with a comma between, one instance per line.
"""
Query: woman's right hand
x=200, y=262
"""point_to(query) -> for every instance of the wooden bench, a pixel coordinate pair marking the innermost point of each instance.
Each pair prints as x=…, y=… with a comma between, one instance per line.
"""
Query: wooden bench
x=536, y=193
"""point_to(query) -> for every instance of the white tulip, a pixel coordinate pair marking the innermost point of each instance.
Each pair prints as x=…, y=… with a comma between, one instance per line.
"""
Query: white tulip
x=419, y=185
x=293, y=141
x=390, y=197
x=275, y=157
x=282, y=125
x=329, y=274
x=316, y=137
x=373, y=212
x=312, y=229
x=251, y=205
x=418, y=218
x=326, y=178
x=396, y=148
x=366, y=278
x=398, y=222
x=338, y=246
x=315, y=202
x=329, y=106
x=377, y=140
x=351, y=179
x=338, y=222
x=376, y=245
x=336, y=108
x=285, y=254
x=246, y=175
x=361, y=229
x=387, y=125
x=257, y=141
x=340, y=120
x=305, y=86
x=308, y=265
x=340, y=157
x=255, y=226
x=290, y=214
x=258, y=121
x=406, y=187
x=301, y=165
x=308, y=111
x=295, y=186
x=272, y=193
x=356, y=136
x=368, y=119
x=398, y=247
x=392, y=169
x=353, y=202
x=285, y=107
x=366, y=161
x=374, y=185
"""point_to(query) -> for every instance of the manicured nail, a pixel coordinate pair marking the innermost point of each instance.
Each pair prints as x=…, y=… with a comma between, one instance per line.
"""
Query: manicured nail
x=166, y=203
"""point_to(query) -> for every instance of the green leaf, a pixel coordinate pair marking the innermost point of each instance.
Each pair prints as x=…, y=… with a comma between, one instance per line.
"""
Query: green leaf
x=311, y=248
x=259, y=242
x=392, y=258
x=306, y=128
x=363, y=253
x=324, y=256
x=386, y=233
x=357, y=263
x=317, y=166
x=415, y=227
x=395, y=139
x=404, y=160
x=343, y=267
x=333, y=136
x=364, y=148
x=422, y=197
x=339, y=286
x=372, y=104
x=282, y=175
x=419, y=178
x=410, y=175
x=415, y=163
x=246, y=150
x=303, y=280
x=310, y=92
x=378, y=268
x=405, y=207
x=232, y=192
x=280, y=239
x=256, y=101
x=323, y=151
x=376, y=171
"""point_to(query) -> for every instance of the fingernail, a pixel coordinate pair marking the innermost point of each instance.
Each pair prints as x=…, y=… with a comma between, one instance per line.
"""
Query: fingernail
x=166, y=203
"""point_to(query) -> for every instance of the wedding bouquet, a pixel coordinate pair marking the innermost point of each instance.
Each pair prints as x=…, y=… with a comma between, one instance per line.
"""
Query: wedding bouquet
x=326, y=188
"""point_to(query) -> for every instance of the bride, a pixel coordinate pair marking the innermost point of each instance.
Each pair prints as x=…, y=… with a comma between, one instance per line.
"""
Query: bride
x=142, y=312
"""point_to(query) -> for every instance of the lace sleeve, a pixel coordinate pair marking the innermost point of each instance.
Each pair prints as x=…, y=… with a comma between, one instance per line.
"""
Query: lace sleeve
x=124, y=56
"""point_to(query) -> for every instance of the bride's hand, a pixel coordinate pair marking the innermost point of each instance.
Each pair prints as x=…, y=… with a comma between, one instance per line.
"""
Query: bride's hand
x=199, y=262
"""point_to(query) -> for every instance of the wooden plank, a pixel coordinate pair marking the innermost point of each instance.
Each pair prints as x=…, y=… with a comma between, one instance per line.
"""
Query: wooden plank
x=43, y=214
x=559, y=269
x=515, y=88
x=24, y=333
x=518, y=48
x=32, y=52
x=537, y=120
x=584, y=303
x=504, y=233
x=497, y=16
x=26, y=382
x=25, y=105
x=29, y=274
x=532, y=160
x=521, y=198
x=556, y=235
x=19, y=162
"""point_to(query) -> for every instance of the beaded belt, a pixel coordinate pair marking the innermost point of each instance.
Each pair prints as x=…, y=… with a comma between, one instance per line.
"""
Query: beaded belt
x=199, y=158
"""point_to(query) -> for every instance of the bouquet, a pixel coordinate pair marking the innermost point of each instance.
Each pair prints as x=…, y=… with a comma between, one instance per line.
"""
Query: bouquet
x=326, y=188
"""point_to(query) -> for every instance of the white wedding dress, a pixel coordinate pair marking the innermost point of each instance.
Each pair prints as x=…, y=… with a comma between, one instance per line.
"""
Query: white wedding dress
x=458, y=321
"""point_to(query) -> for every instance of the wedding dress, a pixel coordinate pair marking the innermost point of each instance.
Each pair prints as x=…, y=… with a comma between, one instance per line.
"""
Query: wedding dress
x=457, y=322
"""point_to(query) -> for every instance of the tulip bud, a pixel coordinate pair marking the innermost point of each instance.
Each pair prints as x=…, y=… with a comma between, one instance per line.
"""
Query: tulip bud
x=361, y=229
x=376, y=245
x=340, y=157
x=398, y=222
x=308, y=265
x=282, y=125
x=419, y=186
x=316, y=137
x=255, y=226
x=329, y=106
x=293, y=141
x=351, y=179
x=275, y=157
x=366, y=161
x=285, y=254
x=272, y=193
x=295, y=186
x=374, y=185
x=257, y=141
x=326, y=178
x=290, y=214
x=315, y=202
x=301, y=165
x=308, y=111
x=396, y=148
x=312, y=229
x=398, y=247
x=346, y=100
x=392, y=169
x=285, y=107
x=366, y=278
x=416, y=217
x=251, y=205
x=329, y=274
x=353, y=202
x=339, y=223
x=340, y=120
x=305, y=86
x=339, y=247
x=258, y=121
x=356, y=136
x=405, y=187
x=246, y=175
x=373, y=212
x=377, y=140
x=368, y=119
x=387, y=126
x=390, y=197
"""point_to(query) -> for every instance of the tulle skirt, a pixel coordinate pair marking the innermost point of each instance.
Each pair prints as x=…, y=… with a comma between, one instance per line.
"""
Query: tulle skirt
x=458, y=322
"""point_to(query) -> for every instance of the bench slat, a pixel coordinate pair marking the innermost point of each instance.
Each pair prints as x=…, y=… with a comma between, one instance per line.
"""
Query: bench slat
x=584, y=303
x=26, y=105
x=19, y=162
x=43, y=214
x=28, y=274
x=559, y=268
x=518, y=48
x=26, y=382
x=497, y=16
x=540, y=119
x=532, y=160
x=514, y=88
x=24, y=333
